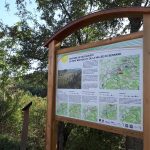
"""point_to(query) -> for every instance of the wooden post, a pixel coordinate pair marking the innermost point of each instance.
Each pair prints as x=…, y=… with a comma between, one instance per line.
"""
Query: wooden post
x=146, y=81
x=24, y=133
x=51, y=126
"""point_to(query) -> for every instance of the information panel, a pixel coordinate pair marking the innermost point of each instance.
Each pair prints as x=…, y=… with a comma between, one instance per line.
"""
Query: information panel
x=102, y=84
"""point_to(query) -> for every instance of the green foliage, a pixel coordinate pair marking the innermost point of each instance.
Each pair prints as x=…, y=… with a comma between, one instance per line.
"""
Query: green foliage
x=8, y=143
x=12, y=99
x=39, y=83
x=92, y=139
x=11, y=124
x=10, y=118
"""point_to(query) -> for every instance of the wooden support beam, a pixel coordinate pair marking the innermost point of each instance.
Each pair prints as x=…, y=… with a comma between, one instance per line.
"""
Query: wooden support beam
x=24, y=134
x=146, y=81
x=51, y=127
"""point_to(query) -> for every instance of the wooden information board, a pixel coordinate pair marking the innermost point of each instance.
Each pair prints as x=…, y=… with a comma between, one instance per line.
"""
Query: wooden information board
x=104, y=84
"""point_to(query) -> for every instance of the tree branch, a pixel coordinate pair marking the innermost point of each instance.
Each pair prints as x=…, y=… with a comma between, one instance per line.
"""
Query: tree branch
x=64, y=8
x=146, y=3
x=70, y=18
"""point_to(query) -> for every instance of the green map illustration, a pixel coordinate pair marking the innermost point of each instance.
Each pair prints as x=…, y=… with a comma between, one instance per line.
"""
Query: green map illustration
x=90, y=113
x=108, y=111
x=130, y=114
x=120, y=73
x=75, y=110
x=61, y=109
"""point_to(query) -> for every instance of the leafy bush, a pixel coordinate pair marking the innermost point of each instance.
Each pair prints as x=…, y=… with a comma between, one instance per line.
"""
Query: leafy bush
x=8, y=143
x=11, y=124
x=84, y=138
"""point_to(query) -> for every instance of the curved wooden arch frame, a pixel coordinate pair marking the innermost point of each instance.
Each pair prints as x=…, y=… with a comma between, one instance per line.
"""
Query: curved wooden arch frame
x=96, y=17
x=52, y=119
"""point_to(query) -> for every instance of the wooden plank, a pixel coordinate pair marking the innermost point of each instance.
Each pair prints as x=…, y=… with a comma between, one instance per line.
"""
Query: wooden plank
x=107, y=128
x=146, y=82
x=101, y=43
x=97, y=17
x=51, y=126
x=24, y=133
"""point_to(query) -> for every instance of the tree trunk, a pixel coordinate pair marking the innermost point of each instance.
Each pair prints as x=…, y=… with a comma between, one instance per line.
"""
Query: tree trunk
x=64, y=131
x=135, y=24
x=61, y=130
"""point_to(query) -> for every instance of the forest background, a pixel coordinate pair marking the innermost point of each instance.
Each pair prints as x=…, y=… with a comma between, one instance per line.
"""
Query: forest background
x=23, y=70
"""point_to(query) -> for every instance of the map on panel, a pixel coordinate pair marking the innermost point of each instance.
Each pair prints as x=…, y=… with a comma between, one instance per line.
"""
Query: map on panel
x=108, y=111
x=120, y=73
x=130, y=114
x=90, y=113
